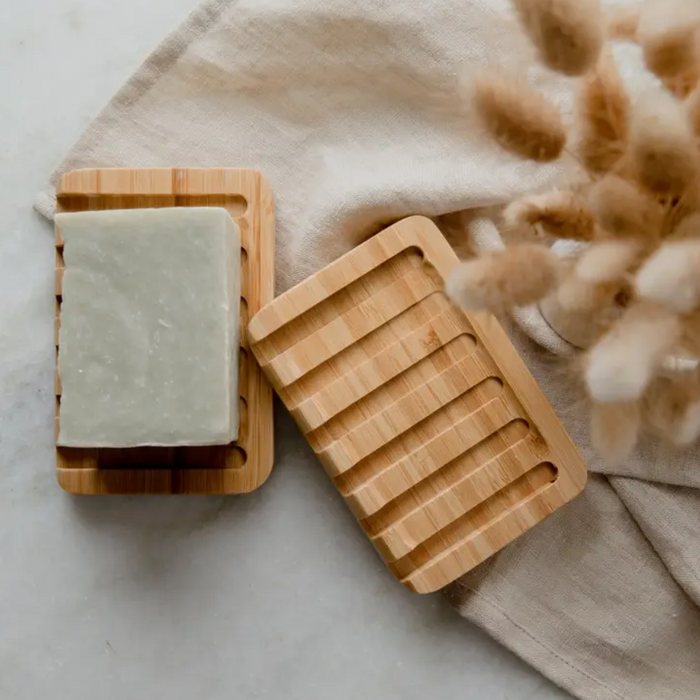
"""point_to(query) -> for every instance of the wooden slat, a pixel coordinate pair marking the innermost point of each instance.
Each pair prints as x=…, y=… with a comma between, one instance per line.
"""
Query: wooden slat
x=349, y=328
x=370, y=375
x=372, y=345
x=442, y=504
x=381, y=489
x=327, y=282
x=328, y=310
x=507, y=515
x=390, y=423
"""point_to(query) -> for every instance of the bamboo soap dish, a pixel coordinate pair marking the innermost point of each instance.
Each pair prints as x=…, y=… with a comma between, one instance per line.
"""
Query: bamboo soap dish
x=427, y=420
x=236, y=468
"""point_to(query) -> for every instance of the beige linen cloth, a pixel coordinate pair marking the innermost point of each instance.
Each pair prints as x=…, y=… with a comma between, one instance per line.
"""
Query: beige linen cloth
x=348, y=109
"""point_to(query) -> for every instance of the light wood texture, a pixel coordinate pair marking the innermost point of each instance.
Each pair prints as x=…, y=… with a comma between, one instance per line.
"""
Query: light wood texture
x=427, y=420
x=237, y=468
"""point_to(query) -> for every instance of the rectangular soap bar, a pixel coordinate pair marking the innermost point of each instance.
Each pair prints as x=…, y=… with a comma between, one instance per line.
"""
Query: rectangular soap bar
x=149, y=333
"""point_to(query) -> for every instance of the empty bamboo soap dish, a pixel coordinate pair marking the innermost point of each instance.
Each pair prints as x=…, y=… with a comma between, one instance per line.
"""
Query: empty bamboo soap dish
x=242, y=407
x=427, y=420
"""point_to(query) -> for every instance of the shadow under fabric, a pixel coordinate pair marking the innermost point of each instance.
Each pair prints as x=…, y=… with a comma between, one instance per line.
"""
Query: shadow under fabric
x=350, y=114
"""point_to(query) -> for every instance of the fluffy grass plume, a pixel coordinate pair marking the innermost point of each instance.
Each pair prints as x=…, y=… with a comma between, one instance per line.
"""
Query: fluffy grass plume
x=621, y=22
x=625, y=360
x=668, y=34
x=663, y=152
x=623, y=210
x=576, y=295
x=672, y=276
x=568, y=34
x=672, y=409
x=559, y=214
x=692, y=108
x=603, y=114
x=607, y=261
x=687, y=229
x=516, y=276
x=519, y=118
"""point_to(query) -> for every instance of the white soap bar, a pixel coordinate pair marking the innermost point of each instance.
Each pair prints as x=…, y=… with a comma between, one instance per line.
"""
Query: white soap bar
x=149, y=335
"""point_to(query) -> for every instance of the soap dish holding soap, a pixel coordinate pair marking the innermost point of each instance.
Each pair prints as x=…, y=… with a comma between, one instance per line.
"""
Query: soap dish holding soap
x=186, y=469
x=427, y=420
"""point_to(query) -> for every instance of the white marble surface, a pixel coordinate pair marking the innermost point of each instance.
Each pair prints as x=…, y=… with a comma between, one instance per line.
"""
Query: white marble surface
x=272, y=595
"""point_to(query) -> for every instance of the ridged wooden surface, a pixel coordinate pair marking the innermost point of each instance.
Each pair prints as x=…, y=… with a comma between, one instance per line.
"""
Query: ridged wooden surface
x=427, y=420
x=246, y=464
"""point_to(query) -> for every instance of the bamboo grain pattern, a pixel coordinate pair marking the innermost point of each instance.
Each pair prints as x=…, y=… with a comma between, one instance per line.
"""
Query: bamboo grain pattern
x=236, y=468
x=428, y=422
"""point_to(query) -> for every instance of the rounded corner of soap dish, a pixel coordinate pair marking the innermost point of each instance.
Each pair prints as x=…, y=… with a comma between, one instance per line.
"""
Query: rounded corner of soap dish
x=62, y=184
x=263, y=477
x=66, y=484
x=266, y=191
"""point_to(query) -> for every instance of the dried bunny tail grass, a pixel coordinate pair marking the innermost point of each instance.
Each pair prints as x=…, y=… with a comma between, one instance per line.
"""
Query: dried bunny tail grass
x=455, y=227
x=615, y=429
x=672, y=276
x=516, y=276
x=680, y=215
x=690, y=339
x=668, y=34
x=588, y=317
x=568, y=34
x=576, y=295
x=692, y=109
x=608, y=261
x=583, y=309
x=688, y=229
x=671, y=408
x=559, y=214
x=603, y=117
x=623, y=363
x=519, y=118
x=596, y=279
x=662, y=146
x=683, y=84
x=598, y=275
x=625, y=211
x=621, y=22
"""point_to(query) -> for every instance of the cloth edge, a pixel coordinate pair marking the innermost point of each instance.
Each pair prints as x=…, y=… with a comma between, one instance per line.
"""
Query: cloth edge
x=519, y=640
